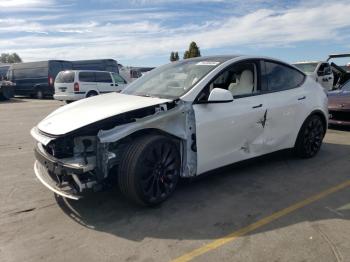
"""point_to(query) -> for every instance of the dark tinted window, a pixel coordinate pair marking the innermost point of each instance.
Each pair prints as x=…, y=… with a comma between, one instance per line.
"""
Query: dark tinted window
x=65, y=77
x=87, y=77
x=40, y=72
x=103, y=77
x=281, y=77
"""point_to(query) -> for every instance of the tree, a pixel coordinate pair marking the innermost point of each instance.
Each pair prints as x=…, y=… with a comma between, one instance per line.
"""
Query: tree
x=193, y=51
x=172, y=57
x=176, y=56
x=186, y=55
x=10, y=58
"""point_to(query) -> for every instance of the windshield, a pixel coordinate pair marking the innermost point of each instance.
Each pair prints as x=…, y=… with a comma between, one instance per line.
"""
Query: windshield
x=307, y=67
x=172, y=80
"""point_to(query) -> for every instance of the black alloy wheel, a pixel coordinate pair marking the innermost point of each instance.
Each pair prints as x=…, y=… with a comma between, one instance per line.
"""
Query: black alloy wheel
x=310, y=137
x=149, y=170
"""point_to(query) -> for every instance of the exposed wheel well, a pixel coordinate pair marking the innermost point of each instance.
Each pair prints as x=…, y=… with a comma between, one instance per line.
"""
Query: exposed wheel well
x=120, y=146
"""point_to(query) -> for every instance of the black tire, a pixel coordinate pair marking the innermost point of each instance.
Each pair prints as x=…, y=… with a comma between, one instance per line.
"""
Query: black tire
x=68, y=101
x=310, y=137
x=6, y=93
x=91, y=93
x=149, y=170
x=39, y=94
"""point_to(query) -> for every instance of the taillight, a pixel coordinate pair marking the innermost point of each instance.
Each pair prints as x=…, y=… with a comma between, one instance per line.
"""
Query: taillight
x=76, y=87
x=50, y=80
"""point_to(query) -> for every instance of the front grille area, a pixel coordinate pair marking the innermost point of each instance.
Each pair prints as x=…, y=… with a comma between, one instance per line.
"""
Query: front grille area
x=61, y=148
x=340, y=115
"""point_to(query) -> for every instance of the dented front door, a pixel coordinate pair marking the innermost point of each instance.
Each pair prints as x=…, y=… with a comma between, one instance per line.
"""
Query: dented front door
x=229, y=132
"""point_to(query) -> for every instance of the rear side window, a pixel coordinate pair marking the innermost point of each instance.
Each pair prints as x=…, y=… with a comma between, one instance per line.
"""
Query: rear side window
x=86, y=77
x=103, y=77
x=65, y=77
x=280, y=77
x=28, y=73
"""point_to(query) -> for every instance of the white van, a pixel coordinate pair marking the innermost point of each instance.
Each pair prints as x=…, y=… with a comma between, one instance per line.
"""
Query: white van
x=73, y=85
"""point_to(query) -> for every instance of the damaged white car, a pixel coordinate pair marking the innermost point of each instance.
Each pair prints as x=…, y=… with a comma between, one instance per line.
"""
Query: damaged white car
x=180, y=120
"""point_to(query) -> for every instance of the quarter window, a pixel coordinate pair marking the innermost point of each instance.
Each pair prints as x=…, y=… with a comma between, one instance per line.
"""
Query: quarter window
x=280, y=77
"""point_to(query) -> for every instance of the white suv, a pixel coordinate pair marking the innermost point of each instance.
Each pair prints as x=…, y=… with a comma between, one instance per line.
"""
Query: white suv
x=73, y=85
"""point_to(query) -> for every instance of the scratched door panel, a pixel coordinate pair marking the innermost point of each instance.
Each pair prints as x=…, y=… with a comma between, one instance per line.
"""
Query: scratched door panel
x=228, y=132
x=281, y=115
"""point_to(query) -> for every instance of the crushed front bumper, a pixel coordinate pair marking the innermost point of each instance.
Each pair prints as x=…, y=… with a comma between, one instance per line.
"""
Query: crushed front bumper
x=57, y=176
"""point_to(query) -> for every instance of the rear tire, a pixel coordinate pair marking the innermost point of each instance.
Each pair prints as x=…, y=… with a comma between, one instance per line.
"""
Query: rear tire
x=39, y=94
x=91, y=93
x=149, y=170
x=310, y=137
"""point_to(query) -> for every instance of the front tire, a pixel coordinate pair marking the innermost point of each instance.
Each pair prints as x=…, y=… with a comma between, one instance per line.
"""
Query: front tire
x=149, y=170
x=310, y=137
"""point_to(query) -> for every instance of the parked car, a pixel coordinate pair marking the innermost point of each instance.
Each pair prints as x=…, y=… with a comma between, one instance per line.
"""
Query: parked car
x=72, y=85
x=321, y=71
x=133, y=73
x=163, y=127
x=339, y=106
x=341, y=73
x=36, y=79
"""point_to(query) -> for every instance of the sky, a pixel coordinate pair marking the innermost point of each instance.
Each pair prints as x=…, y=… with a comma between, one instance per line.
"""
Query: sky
x=144, y=32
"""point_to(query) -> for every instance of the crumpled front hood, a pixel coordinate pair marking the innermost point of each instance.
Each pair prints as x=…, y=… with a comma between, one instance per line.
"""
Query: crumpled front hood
x=87, y=111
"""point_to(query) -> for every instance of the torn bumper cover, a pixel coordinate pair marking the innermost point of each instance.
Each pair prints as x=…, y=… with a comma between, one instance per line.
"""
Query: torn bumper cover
x=60, y=177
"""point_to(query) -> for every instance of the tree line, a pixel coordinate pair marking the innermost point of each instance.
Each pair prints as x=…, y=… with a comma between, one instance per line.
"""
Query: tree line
x=8, y=58
x=193, y=51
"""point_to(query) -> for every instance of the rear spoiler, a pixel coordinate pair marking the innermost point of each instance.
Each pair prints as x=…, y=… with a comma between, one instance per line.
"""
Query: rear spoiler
x=337, y=56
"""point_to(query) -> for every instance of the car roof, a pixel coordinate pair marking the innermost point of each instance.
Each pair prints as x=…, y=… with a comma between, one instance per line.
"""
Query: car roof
x=309, y=62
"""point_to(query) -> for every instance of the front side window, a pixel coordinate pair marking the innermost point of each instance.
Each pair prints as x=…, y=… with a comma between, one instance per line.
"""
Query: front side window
x=172, y=80
x=118, y=79
x=103, y=77
x=281, y=77
x=86, y=77
x=241, y=80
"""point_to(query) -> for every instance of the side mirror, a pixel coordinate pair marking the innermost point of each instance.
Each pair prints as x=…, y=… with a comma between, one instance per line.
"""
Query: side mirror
x=218, y=95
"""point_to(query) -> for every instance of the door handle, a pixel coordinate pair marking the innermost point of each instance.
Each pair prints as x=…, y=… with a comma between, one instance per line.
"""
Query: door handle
x=258, y=106
x=302, y=98
x=112, y=84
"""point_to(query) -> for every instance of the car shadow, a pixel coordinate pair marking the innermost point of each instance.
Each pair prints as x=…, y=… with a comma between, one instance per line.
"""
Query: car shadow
x=221, y=201
x=12, y=101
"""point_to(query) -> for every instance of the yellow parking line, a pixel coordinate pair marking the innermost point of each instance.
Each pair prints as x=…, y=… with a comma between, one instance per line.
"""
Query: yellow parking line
x=245, y=230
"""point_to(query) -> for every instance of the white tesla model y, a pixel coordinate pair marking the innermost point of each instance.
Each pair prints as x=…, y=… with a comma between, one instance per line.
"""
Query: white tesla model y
x=180, y=120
